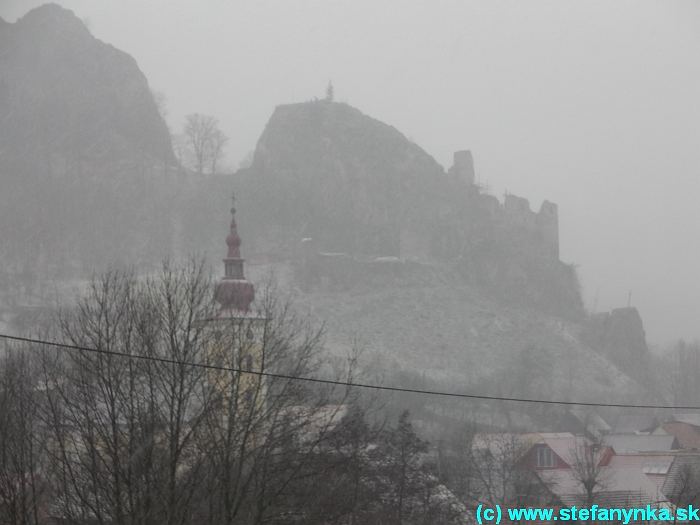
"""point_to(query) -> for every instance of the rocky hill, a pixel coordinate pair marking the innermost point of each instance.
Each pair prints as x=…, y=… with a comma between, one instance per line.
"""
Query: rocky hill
x=350, y=185
x=69, y=101
x=325, y=170
x=443, y=283
x=83, y=154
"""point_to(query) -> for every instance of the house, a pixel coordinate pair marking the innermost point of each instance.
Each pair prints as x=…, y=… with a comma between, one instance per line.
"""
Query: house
x=654, y=465
x=682, y=481
x=685, y=428
x=562, y=464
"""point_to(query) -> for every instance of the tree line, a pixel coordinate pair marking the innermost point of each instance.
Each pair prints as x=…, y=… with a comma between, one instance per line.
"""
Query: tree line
x=103, y=438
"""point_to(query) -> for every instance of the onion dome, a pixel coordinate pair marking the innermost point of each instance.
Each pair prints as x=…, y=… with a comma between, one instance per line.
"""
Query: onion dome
x=234, y=291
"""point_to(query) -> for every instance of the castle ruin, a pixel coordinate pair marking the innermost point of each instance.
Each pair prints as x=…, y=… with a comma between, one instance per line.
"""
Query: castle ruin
x=481, y=216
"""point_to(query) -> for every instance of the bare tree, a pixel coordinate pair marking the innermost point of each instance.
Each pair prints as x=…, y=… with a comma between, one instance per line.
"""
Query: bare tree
x=218, y=141
x=160, y=441
x=587, y=467
x=205, y=141
x=21, y=443
x=498, y=475
x=682, y=486
x=122, y=429
x=407, y=447
x=267, y=433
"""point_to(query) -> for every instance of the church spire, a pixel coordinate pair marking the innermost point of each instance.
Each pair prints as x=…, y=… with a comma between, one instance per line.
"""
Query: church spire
x=234, y=292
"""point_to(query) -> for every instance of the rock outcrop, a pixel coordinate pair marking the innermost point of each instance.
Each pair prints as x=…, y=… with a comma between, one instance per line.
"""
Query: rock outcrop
x=358, y=190
x=84, y=153
x=620, y=336
x=69, y=101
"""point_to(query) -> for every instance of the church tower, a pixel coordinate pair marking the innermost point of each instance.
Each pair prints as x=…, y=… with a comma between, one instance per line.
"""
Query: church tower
x=234, y=292
x=239, y=331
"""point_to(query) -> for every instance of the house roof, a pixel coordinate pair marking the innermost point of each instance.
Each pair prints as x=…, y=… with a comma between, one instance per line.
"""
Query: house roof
x=650, y=463
x=677, y=479
x=637, y=477
x=590, y=420
x=618, y=487
x=654, y=465
x=691, y=418
x=564, y=445
x=560, y=442
x=687, y=434
x=635, y=423
x=634, y=443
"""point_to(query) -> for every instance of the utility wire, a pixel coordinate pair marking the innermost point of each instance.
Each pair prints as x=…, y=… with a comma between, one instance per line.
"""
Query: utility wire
x=335, y=382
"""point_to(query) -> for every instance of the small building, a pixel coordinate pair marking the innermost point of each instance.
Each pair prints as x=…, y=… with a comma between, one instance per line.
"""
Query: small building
x=686, y=430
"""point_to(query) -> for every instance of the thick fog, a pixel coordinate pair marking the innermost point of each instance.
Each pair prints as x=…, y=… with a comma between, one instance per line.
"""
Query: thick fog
x=380, y=262
x=592, y=105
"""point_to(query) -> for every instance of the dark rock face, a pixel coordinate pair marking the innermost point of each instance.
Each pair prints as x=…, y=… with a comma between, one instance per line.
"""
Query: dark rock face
x=83, y=153
x=357, y=187
x=69, y=101
x=325, y=170
x=620, y=335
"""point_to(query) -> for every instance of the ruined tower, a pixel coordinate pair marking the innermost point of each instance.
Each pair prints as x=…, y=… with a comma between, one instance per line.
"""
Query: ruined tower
x=463, y=167
x=548, y=226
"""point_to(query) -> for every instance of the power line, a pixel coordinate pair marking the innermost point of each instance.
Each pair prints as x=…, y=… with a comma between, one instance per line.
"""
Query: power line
x=335, y=382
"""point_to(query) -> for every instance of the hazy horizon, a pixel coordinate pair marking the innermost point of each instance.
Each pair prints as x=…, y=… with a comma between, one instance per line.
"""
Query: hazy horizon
x=593, y=106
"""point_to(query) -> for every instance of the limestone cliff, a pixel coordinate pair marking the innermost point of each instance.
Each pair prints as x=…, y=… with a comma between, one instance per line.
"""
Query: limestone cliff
x=325, y=170
x=620, y=336
x=358, y=188
x=68, y=100
x=83, y=153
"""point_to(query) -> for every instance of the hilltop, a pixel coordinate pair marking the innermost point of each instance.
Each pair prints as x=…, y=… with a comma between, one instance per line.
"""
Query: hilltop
x=442, y=282
x=351, y=185
x=69, y=100
x=84, y=155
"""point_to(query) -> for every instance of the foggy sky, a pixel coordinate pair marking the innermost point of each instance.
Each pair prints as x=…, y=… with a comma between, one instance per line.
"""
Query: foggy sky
x=593, y=105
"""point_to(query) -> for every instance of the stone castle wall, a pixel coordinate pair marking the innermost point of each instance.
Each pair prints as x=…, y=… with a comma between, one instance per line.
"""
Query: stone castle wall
x=513, y=220
x=503, y=246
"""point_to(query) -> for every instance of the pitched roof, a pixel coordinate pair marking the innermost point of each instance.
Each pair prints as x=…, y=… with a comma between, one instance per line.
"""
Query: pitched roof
x=653, y=464
x=635, y=423
x=691, y=418
x=590, y=420
x=634, y=443
x=687, y=434
x=564, y=445
x=685, y=468
x=619, y=487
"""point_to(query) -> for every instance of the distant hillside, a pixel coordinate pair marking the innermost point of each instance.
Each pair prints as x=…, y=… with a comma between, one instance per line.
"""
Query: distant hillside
x=69, y=101
x=443, y=282
x=84, y=154
x=435, y=331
